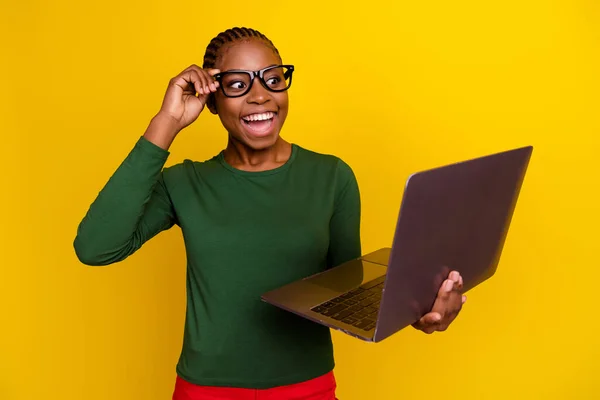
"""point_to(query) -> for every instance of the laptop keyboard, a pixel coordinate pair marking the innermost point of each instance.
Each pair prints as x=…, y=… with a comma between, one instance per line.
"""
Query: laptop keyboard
x=359, y=307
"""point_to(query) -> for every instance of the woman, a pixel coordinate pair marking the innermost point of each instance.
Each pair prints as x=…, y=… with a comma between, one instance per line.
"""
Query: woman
x=260, y=214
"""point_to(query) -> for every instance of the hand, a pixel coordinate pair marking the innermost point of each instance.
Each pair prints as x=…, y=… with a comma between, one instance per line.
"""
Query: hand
x=181, y=103
x=447, y=305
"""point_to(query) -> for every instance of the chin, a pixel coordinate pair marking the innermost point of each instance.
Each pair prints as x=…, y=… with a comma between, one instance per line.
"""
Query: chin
x=260, y=143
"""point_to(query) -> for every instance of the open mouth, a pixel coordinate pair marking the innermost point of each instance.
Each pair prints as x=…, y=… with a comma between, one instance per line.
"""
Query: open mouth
x=260, y=124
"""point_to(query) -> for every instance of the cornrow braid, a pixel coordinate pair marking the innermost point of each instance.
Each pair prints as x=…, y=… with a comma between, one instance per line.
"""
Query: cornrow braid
x=230, y=36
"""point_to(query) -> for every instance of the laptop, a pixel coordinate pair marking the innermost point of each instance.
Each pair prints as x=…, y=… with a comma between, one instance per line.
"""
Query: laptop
x=451, y=217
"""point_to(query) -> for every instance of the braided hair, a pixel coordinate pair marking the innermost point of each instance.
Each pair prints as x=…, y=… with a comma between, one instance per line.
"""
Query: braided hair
x=230, y=36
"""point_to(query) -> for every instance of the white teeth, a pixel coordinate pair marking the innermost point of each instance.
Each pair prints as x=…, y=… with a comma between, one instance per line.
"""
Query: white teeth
x=259, y=117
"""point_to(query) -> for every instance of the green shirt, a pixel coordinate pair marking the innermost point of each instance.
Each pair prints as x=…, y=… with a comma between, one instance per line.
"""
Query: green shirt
x=245, y=233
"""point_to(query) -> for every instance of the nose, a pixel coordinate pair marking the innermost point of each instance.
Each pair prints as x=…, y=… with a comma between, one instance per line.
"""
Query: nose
x=258, y=94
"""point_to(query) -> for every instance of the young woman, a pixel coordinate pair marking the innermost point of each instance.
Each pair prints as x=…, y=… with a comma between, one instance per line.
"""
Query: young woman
x=260, y=214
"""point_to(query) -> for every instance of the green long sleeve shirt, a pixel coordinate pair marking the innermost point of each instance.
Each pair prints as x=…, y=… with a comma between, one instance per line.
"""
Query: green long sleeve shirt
x=245, y=233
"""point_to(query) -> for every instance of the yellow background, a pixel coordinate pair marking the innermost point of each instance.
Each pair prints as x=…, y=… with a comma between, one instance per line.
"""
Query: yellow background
x=391, y=87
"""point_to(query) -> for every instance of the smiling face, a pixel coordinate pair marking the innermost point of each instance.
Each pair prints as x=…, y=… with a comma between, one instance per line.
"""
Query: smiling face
x=256, y=118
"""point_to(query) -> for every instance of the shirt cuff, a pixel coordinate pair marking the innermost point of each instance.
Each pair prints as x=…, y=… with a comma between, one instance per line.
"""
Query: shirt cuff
x=151, y=149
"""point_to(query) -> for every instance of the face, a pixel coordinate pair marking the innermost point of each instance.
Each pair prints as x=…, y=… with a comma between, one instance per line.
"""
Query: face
x=256, y=118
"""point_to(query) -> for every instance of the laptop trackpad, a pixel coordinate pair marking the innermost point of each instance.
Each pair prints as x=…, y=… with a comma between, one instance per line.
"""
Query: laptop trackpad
x=348, y=276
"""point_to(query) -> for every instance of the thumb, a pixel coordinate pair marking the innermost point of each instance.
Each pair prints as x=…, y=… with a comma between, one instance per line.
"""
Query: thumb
x=432, y=318
x=429, y=319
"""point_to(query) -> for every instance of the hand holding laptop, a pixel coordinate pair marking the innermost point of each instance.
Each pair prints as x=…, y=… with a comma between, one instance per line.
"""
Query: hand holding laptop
x=447, y=305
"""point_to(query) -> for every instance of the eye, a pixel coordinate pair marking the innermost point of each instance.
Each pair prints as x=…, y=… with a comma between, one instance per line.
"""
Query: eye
x=273, y=81
x=237, y=85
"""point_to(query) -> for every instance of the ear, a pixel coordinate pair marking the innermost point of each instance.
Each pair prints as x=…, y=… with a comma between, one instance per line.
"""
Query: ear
x=210, y=103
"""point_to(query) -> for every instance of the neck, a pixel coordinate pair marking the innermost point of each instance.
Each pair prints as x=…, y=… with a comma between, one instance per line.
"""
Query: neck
x=245, y=158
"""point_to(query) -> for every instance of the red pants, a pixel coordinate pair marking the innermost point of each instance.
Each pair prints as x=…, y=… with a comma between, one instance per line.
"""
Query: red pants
x=321, y=388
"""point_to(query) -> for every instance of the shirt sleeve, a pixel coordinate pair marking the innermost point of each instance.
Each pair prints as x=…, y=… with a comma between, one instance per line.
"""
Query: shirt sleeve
x=131, y=208
x=344, y=228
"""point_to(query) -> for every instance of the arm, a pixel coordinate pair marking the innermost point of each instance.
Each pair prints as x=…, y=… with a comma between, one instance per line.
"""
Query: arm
x=344, y=226
x=132, y=207
x=134, y=204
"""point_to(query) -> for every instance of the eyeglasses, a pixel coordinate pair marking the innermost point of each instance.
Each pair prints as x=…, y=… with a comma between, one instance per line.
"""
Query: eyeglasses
x=237, y=82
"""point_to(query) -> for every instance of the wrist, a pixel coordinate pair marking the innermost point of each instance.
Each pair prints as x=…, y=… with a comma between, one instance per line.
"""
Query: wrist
x=162, y=130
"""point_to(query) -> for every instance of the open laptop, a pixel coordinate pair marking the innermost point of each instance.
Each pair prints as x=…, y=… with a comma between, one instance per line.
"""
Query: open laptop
x=451, y=217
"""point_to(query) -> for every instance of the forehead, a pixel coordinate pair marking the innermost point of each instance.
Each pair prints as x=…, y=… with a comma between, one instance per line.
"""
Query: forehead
x=251, y=54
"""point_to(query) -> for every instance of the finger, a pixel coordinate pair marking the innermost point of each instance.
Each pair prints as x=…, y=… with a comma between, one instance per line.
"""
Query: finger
x=205, y=83
x=422, y=323
x=454, y=275
x=207, y=80
x=460, y=282
x=431, y=318
x=425, y=328
x=197, y=81
x=432, y=322
x=443, y=292
x=188, y=81
x=189, y=72
x=448, y=286
x=429, y=330
x=455, y=284
x=457, y=287
x=448, y=298
x=210, y=81
x=464, y=299
x=201, y=81
x=206, y=77
x=210, y=71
